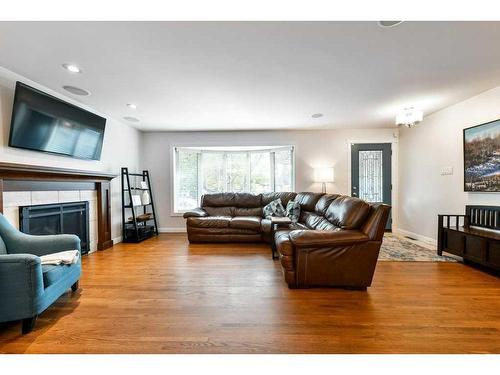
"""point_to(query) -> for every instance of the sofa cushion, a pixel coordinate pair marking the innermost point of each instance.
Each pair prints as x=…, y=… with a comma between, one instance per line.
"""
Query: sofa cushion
x=220, y=231
x=308, y=200
x=232, y=211
x=347, y=212
x=52, y=273
x=244, y=200
x=293, y=211
x=219, y=211
x=324, y=224
x=310, y=219
x=324, y=202
x=242, y=211
x=285, y=197
x=209, y=222
x=245, y=222
x=275, y=208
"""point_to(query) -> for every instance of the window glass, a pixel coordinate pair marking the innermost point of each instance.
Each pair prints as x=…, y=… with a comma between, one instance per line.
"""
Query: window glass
x=237, y=172
x=201, y=171
x=213, y=172
x=283, y=171
x=187, y=181
x=371, y=179
x=260, y=172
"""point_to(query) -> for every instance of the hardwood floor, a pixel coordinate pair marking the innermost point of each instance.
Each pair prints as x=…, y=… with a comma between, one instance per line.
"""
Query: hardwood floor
x=166, y=296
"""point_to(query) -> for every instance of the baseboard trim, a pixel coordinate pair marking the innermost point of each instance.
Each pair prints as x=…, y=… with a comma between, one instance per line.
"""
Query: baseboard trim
x=160, y=230
x=172, y=230
x=419, y=237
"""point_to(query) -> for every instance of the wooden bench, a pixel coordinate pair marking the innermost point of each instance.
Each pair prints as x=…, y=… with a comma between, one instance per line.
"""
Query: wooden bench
x=474, y=236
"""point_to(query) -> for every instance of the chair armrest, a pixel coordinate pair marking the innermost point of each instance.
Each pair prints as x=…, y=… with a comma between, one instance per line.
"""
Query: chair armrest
x=318, y=238
x=22, y=243
x=195, y=212
x=442, y=217
x=20, y=280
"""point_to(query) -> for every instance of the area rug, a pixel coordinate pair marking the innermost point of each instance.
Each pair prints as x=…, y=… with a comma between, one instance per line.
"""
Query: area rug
x=399, y=249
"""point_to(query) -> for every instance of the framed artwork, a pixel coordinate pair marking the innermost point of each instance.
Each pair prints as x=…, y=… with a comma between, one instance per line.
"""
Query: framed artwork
x=482, y=157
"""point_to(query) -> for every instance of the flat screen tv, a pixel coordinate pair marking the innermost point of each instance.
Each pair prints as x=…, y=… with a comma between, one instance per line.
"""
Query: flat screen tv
x=42, y=122
x=482, y=157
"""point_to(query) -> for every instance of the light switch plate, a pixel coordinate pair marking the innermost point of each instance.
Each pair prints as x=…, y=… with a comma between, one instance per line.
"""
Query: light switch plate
x=446, y=171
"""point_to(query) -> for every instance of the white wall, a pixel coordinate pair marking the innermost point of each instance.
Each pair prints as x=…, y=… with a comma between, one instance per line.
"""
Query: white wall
x=122, y=144
x=312, y=148
x=425, y=150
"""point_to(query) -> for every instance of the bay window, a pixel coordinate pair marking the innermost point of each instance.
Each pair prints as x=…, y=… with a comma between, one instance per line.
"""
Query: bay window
x=205, y=170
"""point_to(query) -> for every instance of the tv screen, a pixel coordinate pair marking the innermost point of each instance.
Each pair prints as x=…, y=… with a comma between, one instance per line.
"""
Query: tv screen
x=42, y=122
x=482, y=157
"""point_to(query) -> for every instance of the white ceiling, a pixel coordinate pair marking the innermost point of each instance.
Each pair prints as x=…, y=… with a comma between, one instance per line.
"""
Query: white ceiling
x=258, y=75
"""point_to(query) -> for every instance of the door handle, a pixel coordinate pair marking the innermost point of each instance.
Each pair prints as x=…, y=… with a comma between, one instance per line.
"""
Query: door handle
x=354, y=194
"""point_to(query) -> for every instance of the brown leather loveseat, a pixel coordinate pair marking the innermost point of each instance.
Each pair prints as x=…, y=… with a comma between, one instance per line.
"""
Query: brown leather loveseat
x=335, y=242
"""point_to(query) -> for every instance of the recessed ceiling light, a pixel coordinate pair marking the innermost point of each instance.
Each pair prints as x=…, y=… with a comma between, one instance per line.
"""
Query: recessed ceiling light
x=131, y=106
x=317, y=115
x=131, y=119
x=72, y=68
x=76, y=90
x=389, y=23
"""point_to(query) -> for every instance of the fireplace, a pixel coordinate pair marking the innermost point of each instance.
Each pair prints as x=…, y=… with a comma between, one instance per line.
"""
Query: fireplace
x=34, y=180
x=58, y=218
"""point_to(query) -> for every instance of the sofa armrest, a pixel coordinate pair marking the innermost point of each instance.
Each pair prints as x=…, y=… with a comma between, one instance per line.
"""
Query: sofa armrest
x=21, y=243
x=320, y=238
x=20, y=282
x=374, y=226
x=195, y=212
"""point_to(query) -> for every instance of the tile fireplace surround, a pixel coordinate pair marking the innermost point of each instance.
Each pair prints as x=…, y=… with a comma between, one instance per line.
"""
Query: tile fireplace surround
x=24, y=185
x=12, y=200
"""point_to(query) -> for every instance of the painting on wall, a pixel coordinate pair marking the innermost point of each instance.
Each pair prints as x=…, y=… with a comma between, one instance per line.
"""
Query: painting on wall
x=482, y=157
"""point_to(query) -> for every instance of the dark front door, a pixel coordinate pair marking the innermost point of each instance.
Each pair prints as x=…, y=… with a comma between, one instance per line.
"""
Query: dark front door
x=371, y=173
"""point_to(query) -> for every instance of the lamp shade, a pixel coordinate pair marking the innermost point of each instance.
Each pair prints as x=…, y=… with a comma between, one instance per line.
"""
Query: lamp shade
x=323, y=174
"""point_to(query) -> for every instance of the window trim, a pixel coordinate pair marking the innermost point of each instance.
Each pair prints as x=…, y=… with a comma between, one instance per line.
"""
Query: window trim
x=218, y=149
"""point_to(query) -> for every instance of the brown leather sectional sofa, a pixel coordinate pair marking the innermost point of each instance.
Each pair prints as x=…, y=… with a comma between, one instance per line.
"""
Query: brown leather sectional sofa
x=335, y=242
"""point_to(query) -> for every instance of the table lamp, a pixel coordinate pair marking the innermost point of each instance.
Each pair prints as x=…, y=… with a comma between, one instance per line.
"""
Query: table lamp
x=323, y=175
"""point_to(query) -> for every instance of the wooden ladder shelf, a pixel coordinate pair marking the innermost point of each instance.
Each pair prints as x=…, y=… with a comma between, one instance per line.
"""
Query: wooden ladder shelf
x=137, y=226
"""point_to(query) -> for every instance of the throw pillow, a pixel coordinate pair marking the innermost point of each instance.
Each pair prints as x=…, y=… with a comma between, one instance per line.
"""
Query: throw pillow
x=293, y=211
x=274, y=208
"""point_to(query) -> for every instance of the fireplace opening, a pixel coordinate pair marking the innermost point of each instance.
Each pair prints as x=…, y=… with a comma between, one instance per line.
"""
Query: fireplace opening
x=57, y=218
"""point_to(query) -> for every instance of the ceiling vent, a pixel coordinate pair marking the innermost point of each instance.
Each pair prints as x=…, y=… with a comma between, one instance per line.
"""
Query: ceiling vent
x=131, y=119
x=76, y=90
x=386, y=24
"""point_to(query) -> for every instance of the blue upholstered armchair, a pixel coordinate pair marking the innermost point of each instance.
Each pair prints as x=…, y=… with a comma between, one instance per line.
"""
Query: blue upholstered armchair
x=26, y=287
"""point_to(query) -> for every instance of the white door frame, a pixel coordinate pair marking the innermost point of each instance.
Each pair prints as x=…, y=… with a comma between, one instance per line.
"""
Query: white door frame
x=393, y=140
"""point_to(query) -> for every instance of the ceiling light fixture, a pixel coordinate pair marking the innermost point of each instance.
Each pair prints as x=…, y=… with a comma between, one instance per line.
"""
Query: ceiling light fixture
x=131, y=119
x=317, y=115
x=386, y=24
x=72, y=68
x=131, y=106
x=76, y=90
x=409, y=117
